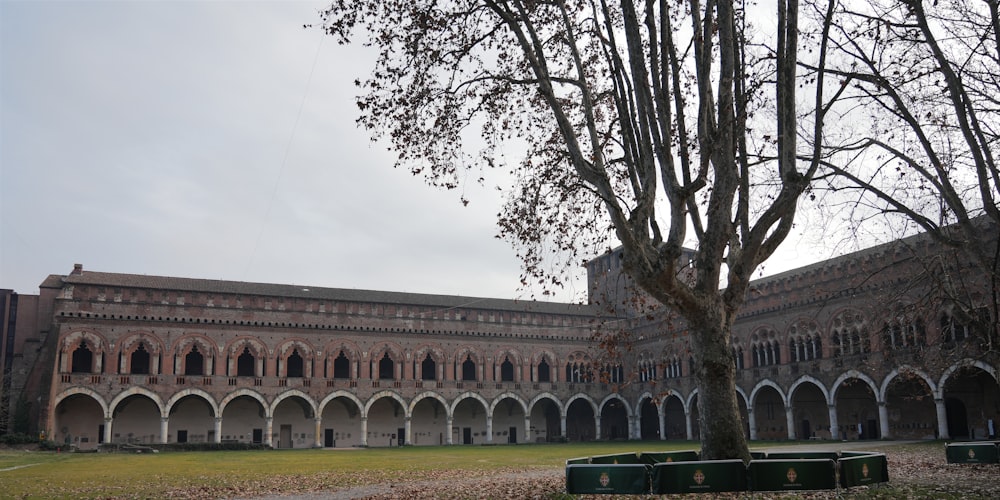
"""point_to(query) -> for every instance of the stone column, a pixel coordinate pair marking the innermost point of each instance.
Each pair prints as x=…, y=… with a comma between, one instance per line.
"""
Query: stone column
x=634, y=427
x=688, y=425
x=834, y=425
x=319, y=430
x=663, y=424
x=448, y=439
x=527, y=428
x=218, y=429
x=407, y=436
x=489, y=429
x=942, y=418
x=883, y=420
x=597, y=427
x=790, y=422
x=107, y=429
x=562, y=424
x=164, y=427
x=364, y=431
x=752, y=422
x=268, y=429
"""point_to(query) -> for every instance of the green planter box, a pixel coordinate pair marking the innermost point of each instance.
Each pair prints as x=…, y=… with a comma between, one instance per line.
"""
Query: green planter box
x=581, y=460
x=863, y=470
x=621, y=479
x=620, y=458
x=972, y=453
x=699, y=477
x=786, y=475
x=656, y=457
x=795, y=455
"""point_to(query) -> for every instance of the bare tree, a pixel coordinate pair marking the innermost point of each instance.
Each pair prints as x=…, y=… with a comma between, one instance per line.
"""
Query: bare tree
x=660, y=124
x=920, y=131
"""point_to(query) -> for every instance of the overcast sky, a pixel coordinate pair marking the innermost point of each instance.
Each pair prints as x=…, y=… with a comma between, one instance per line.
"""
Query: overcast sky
x=216, y=139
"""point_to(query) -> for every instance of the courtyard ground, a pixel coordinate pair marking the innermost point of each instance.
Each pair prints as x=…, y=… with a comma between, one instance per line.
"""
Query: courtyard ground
x=917, y=470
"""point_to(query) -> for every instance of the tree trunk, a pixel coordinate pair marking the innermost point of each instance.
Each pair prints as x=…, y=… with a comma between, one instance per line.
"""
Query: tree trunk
x=722, y=435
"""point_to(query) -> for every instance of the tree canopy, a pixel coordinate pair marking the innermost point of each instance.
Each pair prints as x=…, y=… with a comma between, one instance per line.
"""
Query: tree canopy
x=659, y=125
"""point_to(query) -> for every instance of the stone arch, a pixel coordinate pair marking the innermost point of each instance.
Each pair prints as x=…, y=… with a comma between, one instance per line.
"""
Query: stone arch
x=468, y=395
x=649, y=418
x=465, y=413
x=767, y=383
x=88, y=412
x=244, y=392
x=290, y=394
x=509, y=426
x=508, y=395
x=546, y=396
x=137, y=391
x=628, y=408
x=910, y=408
x=393, y=395
x=849, y=374
x=193, y=392
x=966, y=363
x=810, y=417
x=908, y=370
x=425, y=395
x=339, y=394
x=858, y=417
x=809, y=379
x=73, y=391
x=581, y=419
x=674, y=410
x=546, y=414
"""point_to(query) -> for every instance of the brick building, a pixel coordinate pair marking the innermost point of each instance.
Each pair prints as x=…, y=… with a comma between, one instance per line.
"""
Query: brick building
x=883, y=343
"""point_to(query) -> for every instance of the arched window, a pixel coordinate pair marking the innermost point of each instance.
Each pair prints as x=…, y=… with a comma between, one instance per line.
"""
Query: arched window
x=543, y=374
x=468, y=369
x=194, y=362
x=428, y=368
x=386, y=368
x=341, y=366
x=294, y=362
x=139, y=361
x=83, y=359
x=506, y=370
x=245, y=364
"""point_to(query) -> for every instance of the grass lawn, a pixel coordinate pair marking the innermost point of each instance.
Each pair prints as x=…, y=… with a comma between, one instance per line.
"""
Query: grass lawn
x=220, y=474
x=232, y=473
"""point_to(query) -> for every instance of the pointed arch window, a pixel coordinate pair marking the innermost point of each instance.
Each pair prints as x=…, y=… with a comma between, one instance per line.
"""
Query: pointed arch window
x=194, y=362
x=83, y=359
x=428, y=368
x=506, y=370
x=468, y=368
x=386, y=368
x=246, y=364
x=295, y=365
x=543, y=374
x=341, y=366
x=139, y=361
